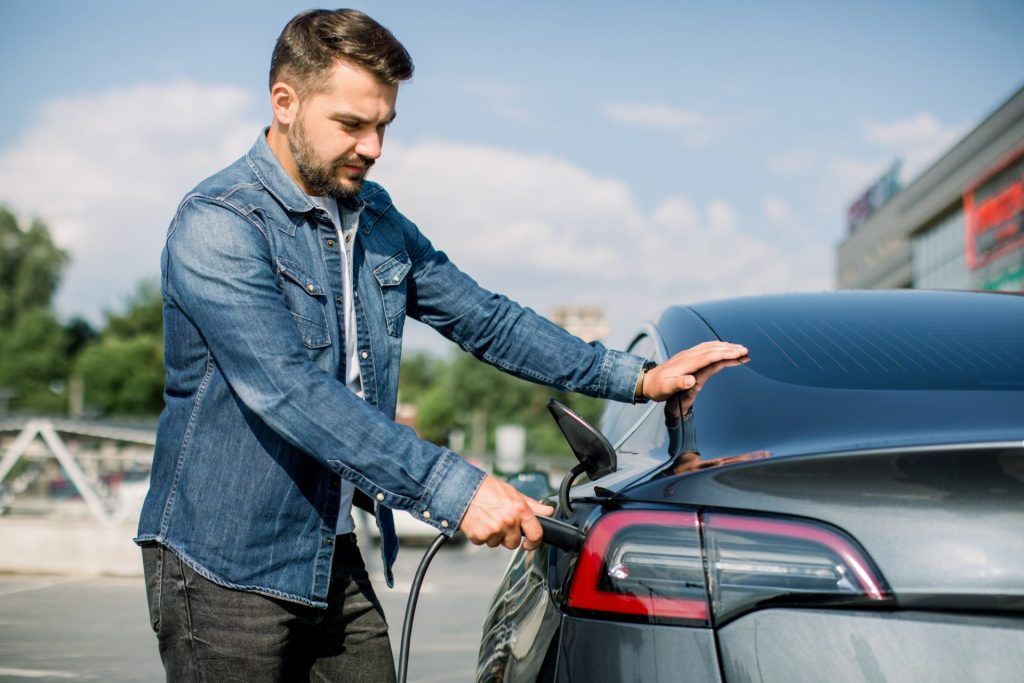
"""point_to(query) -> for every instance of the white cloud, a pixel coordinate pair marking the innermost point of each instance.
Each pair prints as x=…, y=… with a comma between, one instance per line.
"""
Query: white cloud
x=547, y=232
x=837, y=179
x=792, y=163
x=776, y=211
x=919, y=139
x=922, y=127
x=715, y=257
x=106, y=171
x=505, y=99
x=695, y=128
x=654, y=115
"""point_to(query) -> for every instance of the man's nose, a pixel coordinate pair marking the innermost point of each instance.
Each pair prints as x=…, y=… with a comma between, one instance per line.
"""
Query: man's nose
x=369, y=144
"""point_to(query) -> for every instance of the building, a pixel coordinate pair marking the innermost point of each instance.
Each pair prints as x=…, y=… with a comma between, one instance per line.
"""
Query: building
x=586, y=322
x=958, y=225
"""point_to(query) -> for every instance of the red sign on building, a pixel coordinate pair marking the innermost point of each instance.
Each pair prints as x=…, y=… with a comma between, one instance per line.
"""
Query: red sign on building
x=994, y=212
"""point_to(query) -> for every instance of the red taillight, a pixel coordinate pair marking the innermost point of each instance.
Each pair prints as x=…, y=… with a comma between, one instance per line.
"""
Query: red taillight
x=642, y=564
x=754, y=561
x=654, y=565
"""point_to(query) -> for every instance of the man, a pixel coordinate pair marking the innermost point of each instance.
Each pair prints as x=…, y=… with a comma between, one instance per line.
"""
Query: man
x=286, y=280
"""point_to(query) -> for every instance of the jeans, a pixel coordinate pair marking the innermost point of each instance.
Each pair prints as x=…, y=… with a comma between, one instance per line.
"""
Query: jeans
x=210, y=633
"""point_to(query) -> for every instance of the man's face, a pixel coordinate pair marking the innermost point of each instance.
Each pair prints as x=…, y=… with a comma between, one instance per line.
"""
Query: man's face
x=337, y=133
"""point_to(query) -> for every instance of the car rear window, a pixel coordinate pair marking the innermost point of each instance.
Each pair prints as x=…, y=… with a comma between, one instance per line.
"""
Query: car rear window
x=880, y=340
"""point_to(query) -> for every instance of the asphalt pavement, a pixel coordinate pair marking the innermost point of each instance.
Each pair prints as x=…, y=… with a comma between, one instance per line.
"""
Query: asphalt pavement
x=55, y=628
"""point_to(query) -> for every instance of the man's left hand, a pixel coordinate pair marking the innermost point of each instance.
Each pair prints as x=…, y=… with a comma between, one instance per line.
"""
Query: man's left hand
x=677, y=373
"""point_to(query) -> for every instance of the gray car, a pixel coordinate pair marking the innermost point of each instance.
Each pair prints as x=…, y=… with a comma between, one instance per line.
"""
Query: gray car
x=847, y=505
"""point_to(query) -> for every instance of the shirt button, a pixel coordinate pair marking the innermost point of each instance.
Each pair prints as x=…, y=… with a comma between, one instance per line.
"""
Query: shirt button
x=396, y=278
x=380, y=496
x=364, y=355
x=330, y=243
x=337, y=299
x=329, y=540
x=426, y=514
x=348, y=238
x=444, y=523
x=310, y=287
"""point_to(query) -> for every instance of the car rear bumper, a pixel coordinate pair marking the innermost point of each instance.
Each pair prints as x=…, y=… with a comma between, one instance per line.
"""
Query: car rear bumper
x=794, y=645
x=790, y=645
x=604, y=651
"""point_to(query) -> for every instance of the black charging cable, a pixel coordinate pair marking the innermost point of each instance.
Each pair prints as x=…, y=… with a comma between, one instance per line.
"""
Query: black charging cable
x=410, y=606
x=558, y=534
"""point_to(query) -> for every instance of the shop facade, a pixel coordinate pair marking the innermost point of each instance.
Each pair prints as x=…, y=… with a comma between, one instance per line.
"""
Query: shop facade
x=958, y=225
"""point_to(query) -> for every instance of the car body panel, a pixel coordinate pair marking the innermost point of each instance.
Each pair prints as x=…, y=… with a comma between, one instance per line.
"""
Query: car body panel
x=871, y=646
x=925, y=473
x=521, y=622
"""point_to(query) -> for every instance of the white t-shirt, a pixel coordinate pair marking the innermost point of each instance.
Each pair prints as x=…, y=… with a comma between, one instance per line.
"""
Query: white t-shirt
x=349, y=225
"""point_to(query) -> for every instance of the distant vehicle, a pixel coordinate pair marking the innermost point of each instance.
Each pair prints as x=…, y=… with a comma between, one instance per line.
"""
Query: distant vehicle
x=531, y=483
x=846, y=506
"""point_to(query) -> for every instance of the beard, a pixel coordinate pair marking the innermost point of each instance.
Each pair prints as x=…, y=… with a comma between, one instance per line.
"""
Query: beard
x=322, y=177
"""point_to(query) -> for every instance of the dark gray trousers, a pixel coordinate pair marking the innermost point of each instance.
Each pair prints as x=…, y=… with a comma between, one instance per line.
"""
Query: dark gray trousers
x=208, y=633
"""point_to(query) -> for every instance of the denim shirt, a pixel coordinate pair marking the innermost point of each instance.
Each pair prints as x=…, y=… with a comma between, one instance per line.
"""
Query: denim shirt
x=259, y=425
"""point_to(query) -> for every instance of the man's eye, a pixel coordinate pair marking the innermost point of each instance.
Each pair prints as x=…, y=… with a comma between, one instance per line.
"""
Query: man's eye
x=350, y=125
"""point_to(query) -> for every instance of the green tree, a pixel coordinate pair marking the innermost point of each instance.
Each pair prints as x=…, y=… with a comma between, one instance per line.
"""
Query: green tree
x=420, y=372
x=143, y=315
x=123, y=376
x=33, y=345
x=31, y=266
x=465, y=393
x=34, y=362
x=123, y=370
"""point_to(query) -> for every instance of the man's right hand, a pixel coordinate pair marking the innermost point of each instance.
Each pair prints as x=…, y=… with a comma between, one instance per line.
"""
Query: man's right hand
x=500, y=515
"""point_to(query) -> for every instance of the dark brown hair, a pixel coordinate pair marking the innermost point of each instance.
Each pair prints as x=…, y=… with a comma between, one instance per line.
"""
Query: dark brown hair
x=314, y=41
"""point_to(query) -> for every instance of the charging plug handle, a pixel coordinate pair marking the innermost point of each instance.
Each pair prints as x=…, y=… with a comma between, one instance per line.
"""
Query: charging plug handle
x=560, y=534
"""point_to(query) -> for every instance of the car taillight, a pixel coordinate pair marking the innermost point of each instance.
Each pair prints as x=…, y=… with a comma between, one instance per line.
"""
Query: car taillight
x=757, y=560
x=650, y=565
x=644, y=565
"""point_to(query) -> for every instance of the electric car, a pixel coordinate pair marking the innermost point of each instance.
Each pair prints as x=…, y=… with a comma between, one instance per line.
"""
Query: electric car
x=845, y=504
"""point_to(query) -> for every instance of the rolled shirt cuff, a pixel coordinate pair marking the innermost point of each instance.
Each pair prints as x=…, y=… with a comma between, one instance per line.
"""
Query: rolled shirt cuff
x=622, y=372
x=451, y=488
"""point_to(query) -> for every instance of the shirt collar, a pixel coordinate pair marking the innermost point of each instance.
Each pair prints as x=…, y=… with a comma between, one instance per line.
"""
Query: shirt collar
x=277, y=181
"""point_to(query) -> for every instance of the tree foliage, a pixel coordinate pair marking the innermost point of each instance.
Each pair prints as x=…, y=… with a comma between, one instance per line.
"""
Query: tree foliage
x=123, y=371
x=31, y=266
x=123, y=375
x=33, y=345
x=34, y=362
x=449, y=393
x=121, y=365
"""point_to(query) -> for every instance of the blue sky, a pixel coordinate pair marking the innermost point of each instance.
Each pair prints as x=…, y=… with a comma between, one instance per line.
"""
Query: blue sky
x=595, y=153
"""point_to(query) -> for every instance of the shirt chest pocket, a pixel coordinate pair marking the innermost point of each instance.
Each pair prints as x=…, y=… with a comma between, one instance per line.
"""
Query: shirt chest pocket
x=391, y=276
x=307, y=301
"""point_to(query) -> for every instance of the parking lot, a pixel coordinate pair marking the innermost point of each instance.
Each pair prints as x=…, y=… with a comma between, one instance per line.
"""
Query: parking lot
x=65, y=628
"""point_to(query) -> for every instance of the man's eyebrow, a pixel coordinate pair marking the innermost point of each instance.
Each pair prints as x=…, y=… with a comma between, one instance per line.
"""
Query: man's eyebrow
x=349, y=117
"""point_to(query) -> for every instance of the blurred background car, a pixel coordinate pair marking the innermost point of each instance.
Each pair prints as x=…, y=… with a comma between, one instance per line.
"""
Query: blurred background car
x=531, y=483
x=847, y=505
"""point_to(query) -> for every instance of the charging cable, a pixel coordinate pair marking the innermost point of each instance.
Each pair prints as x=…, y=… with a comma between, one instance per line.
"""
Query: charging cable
x=558, y=534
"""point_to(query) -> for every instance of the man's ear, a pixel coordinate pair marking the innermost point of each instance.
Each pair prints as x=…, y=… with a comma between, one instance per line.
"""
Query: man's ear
x=284, y=101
